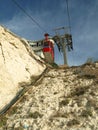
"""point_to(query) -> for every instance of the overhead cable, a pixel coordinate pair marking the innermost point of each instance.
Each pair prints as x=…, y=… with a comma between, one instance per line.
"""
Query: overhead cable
x=26, y=13
x=68, y=14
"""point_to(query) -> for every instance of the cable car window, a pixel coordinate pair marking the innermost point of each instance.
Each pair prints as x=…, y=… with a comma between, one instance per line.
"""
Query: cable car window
x=46, y=44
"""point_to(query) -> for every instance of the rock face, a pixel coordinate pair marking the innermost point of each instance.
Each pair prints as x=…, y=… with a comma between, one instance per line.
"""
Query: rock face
x=65, y=99
x=17, y=65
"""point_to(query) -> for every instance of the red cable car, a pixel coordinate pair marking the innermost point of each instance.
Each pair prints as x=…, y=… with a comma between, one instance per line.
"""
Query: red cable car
x=48, y=49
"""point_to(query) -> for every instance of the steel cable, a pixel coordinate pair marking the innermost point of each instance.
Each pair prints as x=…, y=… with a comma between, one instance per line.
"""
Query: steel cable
x=26, y=13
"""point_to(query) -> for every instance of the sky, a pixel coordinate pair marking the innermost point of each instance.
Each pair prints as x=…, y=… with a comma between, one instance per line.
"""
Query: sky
x=51, y=14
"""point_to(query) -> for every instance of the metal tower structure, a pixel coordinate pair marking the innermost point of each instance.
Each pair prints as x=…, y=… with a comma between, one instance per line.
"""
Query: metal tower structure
x=63, y=41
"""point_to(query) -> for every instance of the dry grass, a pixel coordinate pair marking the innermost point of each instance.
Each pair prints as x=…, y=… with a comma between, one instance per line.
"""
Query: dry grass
x=3, y=121
x=73, y=122
x=35, y=115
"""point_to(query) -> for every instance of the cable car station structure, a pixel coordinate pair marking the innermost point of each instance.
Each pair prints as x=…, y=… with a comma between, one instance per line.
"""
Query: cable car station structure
x=63, y=42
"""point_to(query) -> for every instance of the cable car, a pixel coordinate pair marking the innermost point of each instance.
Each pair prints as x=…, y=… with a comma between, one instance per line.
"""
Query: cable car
x=48, y=49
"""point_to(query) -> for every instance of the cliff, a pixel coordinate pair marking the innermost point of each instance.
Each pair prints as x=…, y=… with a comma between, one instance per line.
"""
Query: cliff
x=18, y=64
x=63, y=98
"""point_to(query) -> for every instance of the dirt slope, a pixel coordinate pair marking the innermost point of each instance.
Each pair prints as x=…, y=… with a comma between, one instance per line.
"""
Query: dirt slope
x=65, y=99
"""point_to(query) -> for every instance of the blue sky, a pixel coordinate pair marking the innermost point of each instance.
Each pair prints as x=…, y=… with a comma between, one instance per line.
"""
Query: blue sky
x=51, y=14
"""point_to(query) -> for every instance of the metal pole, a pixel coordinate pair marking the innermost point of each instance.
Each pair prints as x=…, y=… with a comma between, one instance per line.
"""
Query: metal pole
x=62, y=42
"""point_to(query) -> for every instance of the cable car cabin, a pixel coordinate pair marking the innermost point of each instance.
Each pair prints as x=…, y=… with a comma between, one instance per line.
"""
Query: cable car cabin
x=48, y=50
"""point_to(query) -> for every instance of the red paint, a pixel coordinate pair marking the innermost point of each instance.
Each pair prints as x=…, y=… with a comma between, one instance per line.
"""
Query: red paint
x=48, y=47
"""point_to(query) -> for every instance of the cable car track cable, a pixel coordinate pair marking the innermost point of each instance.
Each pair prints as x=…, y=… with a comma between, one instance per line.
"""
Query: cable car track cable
x=26, y=13
x=68, y=14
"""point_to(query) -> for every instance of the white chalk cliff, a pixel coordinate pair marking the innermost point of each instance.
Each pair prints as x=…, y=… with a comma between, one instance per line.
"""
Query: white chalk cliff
x=18, y=64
